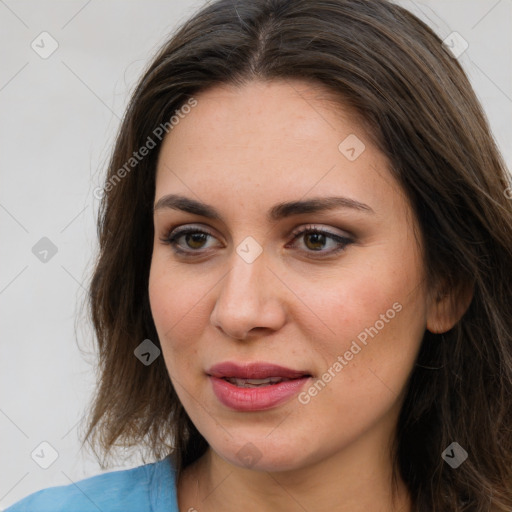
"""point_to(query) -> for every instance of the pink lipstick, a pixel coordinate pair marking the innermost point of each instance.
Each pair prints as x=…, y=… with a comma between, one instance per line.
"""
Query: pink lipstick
x=255, y=386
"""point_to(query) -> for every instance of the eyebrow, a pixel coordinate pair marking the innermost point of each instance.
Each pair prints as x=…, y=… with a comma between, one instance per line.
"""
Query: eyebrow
x=277, y=212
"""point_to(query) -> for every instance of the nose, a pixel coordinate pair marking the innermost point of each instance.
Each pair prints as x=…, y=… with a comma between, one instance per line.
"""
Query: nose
x=249, y=303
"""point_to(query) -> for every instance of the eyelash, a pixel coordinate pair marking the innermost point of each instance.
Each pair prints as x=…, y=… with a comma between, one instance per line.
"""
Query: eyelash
x=172, y=237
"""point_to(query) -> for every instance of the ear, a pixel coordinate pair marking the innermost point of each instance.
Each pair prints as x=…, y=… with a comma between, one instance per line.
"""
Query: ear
x=447, y=305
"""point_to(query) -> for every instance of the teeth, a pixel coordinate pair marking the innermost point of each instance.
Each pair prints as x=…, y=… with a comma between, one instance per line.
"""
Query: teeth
x=254, y=383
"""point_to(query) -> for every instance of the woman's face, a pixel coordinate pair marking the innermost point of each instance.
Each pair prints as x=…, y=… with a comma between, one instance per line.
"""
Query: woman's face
x=342, y=308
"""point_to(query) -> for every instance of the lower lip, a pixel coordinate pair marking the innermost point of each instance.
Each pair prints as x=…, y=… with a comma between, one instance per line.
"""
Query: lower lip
x=257, y=398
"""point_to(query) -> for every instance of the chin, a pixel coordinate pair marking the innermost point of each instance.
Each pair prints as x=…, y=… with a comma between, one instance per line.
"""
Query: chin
x=262, y=454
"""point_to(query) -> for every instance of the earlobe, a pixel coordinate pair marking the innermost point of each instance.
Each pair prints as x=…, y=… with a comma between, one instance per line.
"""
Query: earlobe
x=446, y=308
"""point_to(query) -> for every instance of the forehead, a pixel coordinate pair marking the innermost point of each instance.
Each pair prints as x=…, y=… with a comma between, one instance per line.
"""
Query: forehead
x=280, y=110
x=278, y=139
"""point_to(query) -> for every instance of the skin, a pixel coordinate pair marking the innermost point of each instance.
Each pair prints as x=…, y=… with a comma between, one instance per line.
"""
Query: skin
x=243, y=150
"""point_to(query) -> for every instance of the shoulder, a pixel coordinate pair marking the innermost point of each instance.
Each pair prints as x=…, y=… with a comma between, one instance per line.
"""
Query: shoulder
x=148, y=488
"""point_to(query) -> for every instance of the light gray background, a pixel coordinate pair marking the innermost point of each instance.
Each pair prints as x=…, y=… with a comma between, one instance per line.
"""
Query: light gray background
x=59, y=117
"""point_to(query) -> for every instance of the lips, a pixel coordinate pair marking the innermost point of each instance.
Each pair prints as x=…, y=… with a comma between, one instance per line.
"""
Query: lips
x=255, y=386
x=232, y=370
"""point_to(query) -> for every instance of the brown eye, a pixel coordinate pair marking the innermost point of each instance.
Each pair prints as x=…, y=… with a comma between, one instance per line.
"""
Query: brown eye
x=194, y=240
x=315, y=240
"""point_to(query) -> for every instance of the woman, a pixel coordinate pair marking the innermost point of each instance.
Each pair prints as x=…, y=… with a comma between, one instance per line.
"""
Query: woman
x=302, y=298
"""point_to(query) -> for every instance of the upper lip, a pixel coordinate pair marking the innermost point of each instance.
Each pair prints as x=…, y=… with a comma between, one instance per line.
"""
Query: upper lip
x=260, y=370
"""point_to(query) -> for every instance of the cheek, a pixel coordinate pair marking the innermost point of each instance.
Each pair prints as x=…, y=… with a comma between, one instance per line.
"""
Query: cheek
x=175, y=305
x=376, y=326
x=373, y=311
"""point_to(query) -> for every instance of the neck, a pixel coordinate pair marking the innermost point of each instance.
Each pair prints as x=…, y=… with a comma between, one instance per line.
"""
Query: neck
x=358, y=481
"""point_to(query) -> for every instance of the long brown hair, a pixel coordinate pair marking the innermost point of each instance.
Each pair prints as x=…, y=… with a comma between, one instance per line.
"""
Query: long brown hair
x=392, y=69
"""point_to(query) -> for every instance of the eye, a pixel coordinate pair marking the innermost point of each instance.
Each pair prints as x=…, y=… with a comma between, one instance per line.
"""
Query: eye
x=194, y=239
x=316, y=239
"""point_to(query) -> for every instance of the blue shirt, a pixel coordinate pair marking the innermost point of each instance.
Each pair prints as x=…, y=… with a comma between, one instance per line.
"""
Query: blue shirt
x=148, y=488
